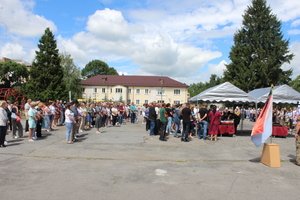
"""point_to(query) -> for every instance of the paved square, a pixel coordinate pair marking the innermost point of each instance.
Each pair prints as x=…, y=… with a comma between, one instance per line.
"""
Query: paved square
x=124, y=163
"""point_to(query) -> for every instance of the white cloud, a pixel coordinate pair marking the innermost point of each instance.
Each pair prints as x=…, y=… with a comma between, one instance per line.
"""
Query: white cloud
x=17, y=52
x=108, y=24
x=295, y=63
x=14, y=51
x=296, y=23
x=285, y=10
x=217, y=69
x=17, y=17
x=155, y=52
x=294, y=32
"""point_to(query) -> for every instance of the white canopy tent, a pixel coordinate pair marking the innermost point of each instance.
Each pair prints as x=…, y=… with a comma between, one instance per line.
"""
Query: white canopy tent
x=281, y=94
x=225, y=92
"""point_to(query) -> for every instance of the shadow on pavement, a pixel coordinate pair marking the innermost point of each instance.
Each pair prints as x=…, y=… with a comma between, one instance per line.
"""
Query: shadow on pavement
x=255, y=160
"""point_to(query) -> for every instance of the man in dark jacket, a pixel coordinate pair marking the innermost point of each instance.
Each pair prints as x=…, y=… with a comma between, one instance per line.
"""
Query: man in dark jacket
x=152, y=118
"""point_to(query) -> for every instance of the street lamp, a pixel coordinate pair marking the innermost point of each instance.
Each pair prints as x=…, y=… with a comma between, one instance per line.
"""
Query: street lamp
x=105, y=83
x=161, y=89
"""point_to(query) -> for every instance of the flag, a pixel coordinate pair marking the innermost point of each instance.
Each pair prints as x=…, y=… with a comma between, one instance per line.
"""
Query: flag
x=262, y=128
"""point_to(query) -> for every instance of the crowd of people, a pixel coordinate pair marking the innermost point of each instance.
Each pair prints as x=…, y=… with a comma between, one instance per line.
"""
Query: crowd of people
x=75, y=116
x=182, y=121
x=187, y=121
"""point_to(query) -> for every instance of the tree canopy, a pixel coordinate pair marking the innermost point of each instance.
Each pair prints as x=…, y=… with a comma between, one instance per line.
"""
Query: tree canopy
x=72, y=75
x=259, y=50
x=46, y=73
x=12, y=74
x=96, y=67
x=296, y=83
x=197, y=88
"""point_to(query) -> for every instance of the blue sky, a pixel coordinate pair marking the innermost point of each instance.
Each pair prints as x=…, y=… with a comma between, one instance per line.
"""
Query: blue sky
x=186, y=40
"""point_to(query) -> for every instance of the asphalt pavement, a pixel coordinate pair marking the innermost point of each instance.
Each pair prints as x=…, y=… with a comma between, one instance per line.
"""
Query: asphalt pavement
x=126, y=163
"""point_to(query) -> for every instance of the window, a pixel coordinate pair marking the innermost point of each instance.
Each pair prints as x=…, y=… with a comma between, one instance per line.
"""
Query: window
x=146, y=91
x=138, y=91
x=177, y=91
x=146, y=101
x=160, y=101
x=129, y=91
x=95, y=90
x=118, y=90
x=176, y=102
x=103, y=90
x=137, y=102
x=160, y=92
x=83, y=90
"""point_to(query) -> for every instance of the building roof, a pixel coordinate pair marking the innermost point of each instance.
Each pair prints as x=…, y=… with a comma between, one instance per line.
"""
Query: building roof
x=139, y=81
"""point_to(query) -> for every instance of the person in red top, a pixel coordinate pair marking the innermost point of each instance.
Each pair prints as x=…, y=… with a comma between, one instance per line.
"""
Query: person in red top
x=214, y=122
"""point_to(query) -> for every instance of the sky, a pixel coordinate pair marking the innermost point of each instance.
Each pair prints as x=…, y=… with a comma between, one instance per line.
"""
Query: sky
x=186, y=40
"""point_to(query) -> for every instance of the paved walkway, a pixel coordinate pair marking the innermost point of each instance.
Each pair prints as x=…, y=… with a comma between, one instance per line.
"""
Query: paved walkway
x=124, y=163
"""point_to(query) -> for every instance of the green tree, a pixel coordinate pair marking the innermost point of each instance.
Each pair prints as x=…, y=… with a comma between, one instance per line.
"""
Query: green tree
x=197, y=88
x=96, y=67
x=72, y=75
x=296, y=83
x=46, y=73
x=259, y=50
x=12, y=74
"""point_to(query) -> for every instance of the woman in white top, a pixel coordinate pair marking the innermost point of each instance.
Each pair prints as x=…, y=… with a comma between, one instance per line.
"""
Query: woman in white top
x=3, y=122
x=69, y=122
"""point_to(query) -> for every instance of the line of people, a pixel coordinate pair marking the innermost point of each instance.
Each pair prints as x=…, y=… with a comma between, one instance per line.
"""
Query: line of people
x=77, y=117
x=184, y=121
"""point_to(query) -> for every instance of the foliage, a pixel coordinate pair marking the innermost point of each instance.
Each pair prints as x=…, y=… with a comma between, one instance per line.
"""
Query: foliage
x=259, y=50
x=96, y=67
x=12, y=74
x=72, y=76
x=296, y=83
x=197, y=88
x=46, y=73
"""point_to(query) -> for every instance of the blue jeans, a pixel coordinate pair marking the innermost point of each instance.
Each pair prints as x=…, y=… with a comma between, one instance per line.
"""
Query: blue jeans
x=152, y=127
x=47, y=122
x=69, y=127
x=202, y=130
x=168, y=129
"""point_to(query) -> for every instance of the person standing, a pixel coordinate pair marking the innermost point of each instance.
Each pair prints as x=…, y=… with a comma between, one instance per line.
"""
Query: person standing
x=202, y=122
x=16, y=121
x=3, y=122
x=214, y=122
x=75, y=129
x=69, y=122
x=169, y=115
x=186, y=114
x=237, y=118
x=163, y=121
x=133, y=111
x=152, y=118
x=26, y=108
x=32, y=122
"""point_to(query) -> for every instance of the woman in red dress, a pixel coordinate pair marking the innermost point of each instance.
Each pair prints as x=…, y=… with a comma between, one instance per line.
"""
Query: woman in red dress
x=214, y=121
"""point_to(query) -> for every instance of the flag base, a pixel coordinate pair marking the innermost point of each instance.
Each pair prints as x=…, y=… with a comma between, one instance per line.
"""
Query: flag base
x=271, y=155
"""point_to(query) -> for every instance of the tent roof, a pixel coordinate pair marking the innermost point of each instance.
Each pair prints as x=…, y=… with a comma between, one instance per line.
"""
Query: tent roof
x=225, y=92
x=281, y=94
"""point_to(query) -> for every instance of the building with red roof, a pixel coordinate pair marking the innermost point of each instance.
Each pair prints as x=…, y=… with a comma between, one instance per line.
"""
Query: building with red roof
x=136, y=89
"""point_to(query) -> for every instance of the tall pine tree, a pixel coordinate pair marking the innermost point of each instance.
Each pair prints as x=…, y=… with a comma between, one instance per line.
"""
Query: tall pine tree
x=259, y=50
x=46, y=73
